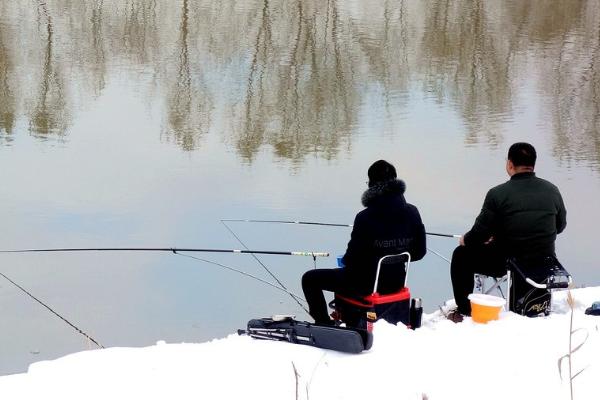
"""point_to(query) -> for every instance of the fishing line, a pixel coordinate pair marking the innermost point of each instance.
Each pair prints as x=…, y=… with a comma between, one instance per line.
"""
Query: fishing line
x=439, y=255
x=265, y=267
x=241, y=272
x=52, y=311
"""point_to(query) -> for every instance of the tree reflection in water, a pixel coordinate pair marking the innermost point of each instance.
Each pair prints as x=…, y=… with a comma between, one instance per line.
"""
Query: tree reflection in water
x=572, y=84
x=7, y=99
x=189, y=101
x=301, y=93
x=49, y=114
x=293, y=75
x=468, y=66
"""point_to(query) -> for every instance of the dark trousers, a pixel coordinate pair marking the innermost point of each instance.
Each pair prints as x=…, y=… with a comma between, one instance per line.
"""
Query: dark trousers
x=468, y=261
x=313, y=284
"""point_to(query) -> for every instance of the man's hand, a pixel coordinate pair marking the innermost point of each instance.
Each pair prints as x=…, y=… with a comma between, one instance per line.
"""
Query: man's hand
x=461, y=240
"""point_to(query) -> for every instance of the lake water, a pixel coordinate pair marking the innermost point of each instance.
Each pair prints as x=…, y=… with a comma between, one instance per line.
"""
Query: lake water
x=144, y=123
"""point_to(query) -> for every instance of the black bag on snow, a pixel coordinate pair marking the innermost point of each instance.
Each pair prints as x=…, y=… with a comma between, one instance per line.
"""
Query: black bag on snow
x=347, y=340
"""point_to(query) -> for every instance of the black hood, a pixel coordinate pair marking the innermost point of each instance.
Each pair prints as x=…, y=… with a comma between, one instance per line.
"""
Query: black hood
x=395, y=187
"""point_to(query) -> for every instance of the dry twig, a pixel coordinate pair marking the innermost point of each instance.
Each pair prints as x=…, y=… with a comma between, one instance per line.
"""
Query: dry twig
x=569, y=355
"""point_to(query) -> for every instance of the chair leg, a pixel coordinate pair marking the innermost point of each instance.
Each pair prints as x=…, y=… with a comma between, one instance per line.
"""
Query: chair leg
x=496, y=285
x=508, y=284
x=480, y=283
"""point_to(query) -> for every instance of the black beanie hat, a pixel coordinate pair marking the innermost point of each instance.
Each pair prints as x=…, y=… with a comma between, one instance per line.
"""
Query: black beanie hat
x=381, y=171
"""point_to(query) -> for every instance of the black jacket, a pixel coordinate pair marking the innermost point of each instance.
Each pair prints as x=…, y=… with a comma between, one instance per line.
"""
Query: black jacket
x=524, y=215
x=388, y=225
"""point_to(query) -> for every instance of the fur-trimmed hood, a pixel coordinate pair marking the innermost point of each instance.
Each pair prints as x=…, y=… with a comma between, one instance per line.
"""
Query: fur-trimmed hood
x=395, y=187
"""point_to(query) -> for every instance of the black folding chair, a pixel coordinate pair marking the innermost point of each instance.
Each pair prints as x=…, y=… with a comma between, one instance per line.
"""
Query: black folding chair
x=532, y=282
x=529, y=283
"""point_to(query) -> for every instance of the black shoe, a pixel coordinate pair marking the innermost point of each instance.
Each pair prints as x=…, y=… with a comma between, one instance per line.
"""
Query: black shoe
x=455, y=316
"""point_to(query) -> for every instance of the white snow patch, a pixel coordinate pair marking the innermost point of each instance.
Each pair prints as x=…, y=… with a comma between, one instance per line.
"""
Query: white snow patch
x=512, y=358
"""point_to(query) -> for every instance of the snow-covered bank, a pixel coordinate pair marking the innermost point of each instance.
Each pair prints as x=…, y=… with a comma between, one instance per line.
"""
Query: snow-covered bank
x=513, y=358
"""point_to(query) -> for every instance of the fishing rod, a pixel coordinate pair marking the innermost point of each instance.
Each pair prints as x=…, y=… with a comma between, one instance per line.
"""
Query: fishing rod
x=88, y=337
x=176, y=251
x=448, y=235
x=275, y=221
x=172, y=250
x=330, y=224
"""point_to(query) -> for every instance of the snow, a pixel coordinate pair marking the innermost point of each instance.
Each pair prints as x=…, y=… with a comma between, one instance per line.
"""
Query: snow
x=512, y=358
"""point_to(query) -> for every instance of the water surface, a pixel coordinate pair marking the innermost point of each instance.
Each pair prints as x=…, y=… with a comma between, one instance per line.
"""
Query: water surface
x=144, y=123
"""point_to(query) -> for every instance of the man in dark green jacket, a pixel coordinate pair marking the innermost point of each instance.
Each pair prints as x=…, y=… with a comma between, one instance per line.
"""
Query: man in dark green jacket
x=519, y=218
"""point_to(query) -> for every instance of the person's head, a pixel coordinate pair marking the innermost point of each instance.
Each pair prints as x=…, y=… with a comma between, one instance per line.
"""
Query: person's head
x=521, y=158
x=381, y=171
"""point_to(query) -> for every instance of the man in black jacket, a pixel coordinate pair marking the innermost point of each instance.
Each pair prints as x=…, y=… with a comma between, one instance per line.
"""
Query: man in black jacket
x=388, y=225
x=519, y=218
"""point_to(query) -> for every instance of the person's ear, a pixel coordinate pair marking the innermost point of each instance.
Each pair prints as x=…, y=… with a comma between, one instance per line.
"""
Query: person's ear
x=510, y=168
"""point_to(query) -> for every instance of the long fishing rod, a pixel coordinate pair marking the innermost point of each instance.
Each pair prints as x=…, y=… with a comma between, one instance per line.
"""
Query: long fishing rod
x=274, y=221
x=448, y=235
x=172, y=250
x=52, y=311
x=341, y=225
x=179, y=251
x=176, y=252
x=277, y=221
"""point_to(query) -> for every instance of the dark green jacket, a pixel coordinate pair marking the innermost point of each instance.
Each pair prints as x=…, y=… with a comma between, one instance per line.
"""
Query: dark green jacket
x=524, y=215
